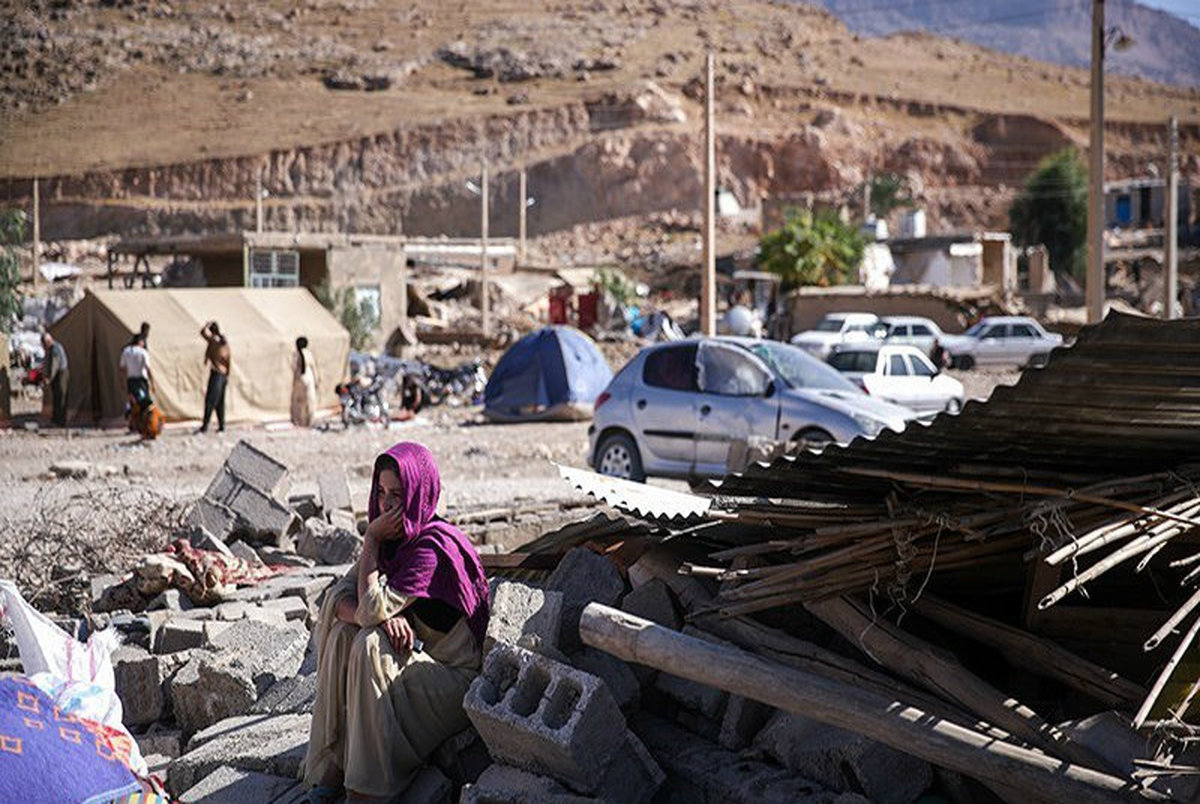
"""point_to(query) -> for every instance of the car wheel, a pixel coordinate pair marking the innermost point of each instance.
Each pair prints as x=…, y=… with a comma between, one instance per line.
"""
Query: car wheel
x=617, y=456
x=964, y=362
x=814, y=438
x=954, y=405
x=1039, y=361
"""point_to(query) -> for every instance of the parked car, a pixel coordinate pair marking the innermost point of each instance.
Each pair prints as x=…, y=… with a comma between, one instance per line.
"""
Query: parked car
x=899, y=374
x=911, y=330
x=998, y=340
x=836, y=328
x=675, y=408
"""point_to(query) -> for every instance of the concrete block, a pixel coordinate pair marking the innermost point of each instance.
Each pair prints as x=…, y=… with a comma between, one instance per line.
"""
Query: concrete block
x=616, y=674
x=228, y=785
x=699, y=772
x=245, y=552
x=292, y=608
x=240, y=663
x=271, y=745
x=231, y=610
x=163, y=743
x=256, y=468
x=549, y=718
x=261, y=515
x=743, y=720
x=268, y=616
x=582, y=577
x=429, y=787
x=519, y=610
x=212, y=517
x=334, y=490
x=178, y=634
x=172, y=600
x=501, y=784
x=140, y=677
x=288, y=696
x=326, y=544
x=202, y=539
x=276, y=557
x=654, y=601
x=343, y=520
x=843, y=761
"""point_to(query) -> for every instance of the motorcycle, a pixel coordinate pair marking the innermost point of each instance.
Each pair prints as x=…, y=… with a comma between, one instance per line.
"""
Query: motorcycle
x=364, y=403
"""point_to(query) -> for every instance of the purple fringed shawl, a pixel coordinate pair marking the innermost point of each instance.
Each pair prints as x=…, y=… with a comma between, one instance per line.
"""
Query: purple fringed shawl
x=432, y=559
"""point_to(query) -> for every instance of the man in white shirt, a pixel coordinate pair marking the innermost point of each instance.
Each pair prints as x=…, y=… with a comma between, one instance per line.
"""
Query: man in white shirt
x=135, y=368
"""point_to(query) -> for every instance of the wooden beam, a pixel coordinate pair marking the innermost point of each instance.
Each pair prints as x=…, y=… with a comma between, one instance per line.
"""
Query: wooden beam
x=890, y=721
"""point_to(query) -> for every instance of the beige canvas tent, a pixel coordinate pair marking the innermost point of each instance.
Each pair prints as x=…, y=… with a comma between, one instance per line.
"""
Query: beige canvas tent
x=262, y=326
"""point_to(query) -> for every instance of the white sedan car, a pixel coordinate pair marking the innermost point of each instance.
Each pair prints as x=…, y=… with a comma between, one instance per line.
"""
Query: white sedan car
x=835, y=329
x=902, y=375
x=996, y=340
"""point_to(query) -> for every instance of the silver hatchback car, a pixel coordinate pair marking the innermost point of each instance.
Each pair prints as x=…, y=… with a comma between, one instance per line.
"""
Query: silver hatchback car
x=675, y=408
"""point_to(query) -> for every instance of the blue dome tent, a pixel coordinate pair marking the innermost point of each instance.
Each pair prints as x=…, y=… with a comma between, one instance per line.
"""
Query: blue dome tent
x=555, y=373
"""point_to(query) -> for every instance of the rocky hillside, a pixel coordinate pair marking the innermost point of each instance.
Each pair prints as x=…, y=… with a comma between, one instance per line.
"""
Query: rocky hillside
x=368, y=116
x=1165, y=47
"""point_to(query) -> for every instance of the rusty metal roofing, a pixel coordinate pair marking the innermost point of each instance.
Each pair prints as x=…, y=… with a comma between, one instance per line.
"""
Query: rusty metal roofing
x=648, y=502
x=1125, y=399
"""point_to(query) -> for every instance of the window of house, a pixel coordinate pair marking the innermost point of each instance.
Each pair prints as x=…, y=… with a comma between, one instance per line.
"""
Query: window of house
x=270, y=268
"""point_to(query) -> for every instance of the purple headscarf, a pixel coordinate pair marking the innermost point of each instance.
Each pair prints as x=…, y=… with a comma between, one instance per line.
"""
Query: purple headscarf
x=432, y=558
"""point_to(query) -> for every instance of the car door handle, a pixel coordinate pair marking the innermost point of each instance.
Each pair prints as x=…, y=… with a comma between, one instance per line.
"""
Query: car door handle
x=641, y=404
x=705, y=410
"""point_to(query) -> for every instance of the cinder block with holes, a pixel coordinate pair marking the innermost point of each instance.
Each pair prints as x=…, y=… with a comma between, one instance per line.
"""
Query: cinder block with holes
x=546, y=717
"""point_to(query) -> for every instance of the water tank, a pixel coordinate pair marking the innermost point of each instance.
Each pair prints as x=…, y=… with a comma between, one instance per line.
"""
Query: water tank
x=912, y=223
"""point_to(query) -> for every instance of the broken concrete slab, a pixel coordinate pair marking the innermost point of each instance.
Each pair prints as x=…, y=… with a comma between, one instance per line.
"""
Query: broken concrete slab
x=229, y=785
x=239, y=664
x=140, y=677
x=700, y=772
x=842, y=760
x=202, y=539
x=501, y=784
x=288, y=696
x=266, y=744
x=616, y=674
x=345, y=520
x=246, y=553
x=177, y=634
x=582, y=577
x=292, y=608
x=334, y=490
x=327, y=544
x=655, y=602
x=552, y=719
x=274, y=556
x=166, y=743
x=172, y=600
x=519, y=610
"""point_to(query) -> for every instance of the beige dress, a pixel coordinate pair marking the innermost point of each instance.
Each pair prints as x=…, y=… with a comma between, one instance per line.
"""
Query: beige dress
x=304, y=390
x=379, y=714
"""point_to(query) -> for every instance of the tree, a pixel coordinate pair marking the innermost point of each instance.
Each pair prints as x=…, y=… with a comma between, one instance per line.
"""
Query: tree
x=12, y=232
x=358, y=317
x=1052, y=210
x=812, y=248
x=888, y=192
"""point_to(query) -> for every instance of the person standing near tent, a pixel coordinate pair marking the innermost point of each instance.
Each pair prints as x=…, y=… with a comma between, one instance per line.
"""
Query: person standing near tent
x=304, y=384
x=135, y=368
x=217, y=355
x=56, y=377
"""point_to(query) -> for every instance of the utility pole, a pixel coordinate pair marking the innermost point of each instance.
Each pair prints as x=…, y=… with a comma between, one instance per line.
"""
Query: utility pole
x=1094, y=286
x=708, y=271
x=258, y=202
x=485, y=315
x=1171, y=229
x=521, y=220
x=37, y=232
x=867, y=198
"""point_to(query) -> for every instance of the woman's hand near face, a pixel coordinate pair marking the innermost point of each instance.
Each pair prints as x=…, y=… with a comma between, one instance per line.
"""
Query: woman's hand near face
x=388, y=525
x=399, y=633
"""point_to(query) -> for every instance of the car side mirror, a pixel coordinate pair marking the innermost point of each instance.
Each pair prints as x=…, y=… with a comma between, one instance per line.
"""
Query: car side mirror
x=769, y=391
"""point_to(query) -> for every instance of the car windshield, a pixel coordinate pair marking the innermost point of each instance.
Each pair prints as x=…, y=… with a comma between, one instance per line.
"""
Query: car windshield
x=974, y=331
x=830, y=325
x=799, y=369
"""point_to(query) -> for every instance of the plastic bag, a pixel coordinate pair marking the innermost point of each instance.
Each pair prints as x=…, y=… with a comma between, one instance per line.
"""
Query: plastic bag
x=79, y=678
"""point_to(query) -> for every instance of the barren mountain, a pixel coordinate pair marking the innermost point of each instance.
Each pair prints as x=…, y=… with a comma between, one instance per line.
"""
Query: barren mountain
x=1164, y=47
x=368, y=115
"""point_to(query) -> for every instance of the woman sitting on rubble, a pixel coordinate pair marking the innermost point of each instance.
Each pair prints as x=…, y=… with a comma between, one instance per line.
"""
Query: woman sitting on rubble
x=398, y=640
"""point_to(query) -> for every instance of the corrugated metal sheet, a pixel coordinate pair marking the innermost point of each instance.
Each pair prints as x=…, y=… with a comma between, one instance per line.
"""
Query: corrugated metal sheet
x=648, y=502
x=1124, y=400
